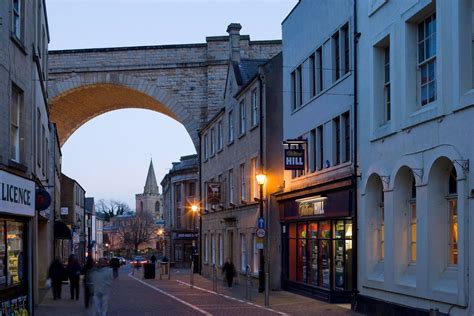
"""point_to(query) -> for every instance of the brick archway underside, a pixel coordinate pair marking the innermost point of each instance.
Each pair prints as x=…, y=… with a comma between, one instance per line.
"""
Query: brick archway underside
x=72, y=109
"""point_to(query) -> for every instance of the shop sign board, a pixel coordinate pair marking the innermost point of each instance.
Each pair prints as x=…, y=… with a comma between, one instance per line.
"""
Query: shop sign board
x=64, y=211
x=311, y=206
x=294, y=159
x=17, y=195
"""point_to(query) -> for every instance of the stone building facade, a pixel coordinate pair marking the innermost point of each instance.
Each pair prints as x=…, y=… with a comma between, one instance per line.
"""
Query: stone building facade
x=180, y=191
x=416, y=150
x=25, y=150
x=317, y=203
x=241, y=141
x=73, y=215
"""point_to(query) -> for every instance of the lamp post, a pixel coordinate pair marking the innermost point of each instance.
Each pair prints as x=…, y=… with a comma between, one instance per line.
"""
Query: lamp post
x=261, y=178
x=195, y=210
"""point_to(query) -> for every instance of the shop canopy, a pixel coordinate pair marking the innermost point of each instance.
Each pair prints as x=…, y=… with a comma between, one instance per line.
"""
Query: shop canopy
x=61, y=231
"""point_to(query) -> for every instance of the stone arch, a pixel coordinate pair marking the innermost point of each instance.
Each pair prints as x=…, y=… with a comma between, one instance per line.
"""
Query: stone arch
x=403, y=208
x=373, y=209
x=77, y=99
x=439, y=210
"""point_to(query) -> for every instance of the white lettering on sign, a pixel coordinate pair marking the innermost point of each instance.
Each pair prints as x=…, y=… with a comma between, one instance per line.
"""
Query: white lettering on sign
x=311, y=206
x=16, y=195
x=295, y=161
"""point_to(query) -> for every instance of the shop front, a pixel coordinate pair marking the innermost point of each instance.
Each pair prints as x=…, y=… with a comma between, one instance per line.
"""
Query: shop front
x=16, y=210
x=317, y=245
x=184, y=246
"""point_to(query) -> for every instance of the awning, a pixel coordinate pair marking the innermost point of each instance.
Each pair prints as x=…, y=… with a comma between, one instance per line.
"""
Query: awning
x=61, y=231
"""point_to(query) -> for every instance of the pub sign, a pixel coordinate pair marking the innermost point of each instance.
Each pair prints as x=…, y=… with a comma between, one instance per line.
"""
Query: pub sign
x=214, y=193
x=294, y=159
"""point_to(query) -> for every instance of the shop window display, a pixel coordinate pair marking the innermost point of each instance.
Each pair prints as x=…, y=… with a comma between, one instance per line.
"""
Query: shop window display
x=11, y=253
x=320, y=253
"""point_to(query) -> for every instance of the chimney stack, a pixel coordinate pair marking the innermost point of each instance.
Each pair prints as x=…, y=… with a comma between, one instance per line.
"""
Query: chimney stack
x=234, y=40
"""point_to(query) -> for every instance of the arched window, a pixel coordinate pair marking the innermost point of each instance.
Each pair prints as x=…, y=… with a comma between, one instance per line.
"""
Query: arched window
x=141, y=206
x=412, y=217
x=452, y=198
x=404, y=219
x=375, y=223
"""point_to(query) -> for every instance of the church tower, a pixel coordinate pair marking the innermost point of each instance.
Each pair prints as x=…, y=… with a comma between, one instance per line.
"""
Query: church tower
x=150, y=200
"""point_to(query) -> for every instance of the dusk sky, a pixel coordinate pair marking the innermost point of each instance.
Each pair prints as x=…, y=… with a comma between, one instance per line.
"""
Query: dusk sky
x=109, y=155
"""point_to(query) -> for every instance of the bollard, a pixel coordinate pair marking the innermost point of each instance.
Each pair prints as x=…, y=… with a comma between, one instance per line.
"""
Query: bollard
x=191, y=275
x=267, y=298
x=248, y=296
x=214, y=278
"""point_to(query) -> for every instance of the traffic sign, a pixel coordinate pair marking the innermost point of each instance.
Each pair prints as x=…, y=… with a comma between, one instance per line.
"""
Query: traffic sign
x=260, y=232
x=261, y=223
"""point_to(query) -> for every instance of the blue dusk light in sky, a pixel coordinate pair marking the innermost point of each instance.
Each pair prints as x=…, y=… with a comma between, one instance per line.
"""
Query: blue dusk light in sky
x=109, y=155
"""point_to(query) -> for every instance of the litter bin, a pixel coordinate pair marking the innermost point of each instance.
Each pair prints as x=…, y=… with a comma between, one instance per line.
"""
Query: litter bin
x=149, y=271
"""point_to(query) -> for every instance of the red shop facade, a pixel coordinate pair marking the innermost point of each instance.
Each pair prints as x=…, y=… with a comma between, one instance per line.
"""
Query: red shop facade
x=317, y=247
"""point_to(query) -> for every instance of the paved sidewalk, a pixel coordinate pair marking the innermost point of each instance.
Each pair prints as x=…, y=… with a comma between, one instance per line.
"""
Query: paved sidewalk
x=64, y=306
x=281, y=301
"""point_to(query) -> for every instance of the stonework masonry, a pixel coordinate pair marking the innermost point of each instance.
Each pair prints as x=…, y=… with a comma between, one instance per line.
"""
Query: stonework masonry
x=185, y=82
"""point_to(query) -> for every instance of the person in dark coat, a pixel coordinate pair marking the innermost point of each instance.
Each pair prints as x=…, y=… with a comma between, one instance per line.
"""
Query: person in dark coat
x=56, y=273
x=88, y=288
x=115, y=265
x=153, y=259
x=74, y=273
x=229, y=270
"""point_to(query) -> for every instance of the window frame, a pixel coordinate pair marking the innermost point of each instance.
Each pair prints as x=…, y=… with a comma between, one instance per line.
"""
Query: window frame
x=254, y=98
x=220, y=136
x=242, y=117
x=242, y=183
x=424, y=62
x=231, y=127
x=16, y=113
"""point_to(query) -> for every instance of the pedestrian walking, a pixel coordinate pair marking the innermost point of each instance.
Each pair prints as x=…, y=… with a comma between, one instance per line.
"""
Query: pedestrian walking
x=115, y=265
x=229, y=270
x=74, y=273
x=153, y=259
x=88, y=286
x=101, y=281
x=56, y=273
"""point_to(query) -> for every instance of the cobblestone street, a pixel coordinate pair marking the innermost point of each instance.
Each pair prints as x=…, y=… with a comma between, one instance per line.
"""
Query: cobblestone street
x=133, y=295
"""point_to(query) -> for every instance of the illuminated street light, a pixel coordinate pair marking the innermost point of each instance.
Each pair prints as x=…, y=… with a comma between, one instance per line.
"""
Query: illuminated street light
x=261, y=178
x=194, y=208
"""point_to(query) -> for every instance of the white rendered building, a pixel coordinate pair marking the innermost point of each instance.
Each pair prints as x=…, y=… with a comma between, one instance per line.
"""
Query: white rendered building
x=416, y=116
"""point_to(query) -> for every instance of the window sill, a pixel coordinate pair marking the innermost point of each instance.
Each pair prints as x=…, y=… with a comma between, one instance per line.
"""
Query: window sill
x=220, y=150
x=18, y=43
x=253, y=127
x=467, y=100
x=241, y=135
x=382, y=132
x=422, y=115
x=230, y=143
x=17, y=165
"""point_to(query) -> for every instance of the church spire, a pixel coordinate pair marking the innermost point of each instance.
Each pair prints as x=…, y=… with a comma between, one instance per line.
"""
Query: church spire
x=151, y=186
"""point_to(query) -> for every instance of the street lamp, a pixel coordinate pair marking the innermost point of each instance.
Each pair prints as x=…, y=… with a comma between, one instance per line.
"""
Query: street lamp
x=261, y=178
x=195, y=210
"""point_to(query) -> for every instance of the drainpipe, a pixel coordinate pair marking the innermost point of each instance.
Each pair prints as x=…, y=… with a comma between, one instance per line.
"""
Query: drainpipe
x=200, y=201
x=354, y=175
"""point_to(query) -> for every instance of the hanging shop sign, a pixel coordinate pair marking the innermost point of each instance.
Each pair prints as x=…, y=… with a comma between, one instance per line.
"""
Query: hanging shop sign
x=311, y=206
x=43, y=199
x=294, y=159
x=214, y=193
x=16, y=195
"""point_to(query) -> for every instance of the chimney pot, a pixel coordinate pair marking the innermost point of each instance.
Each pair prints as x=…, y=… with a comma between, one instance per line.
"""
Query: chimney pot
x=234, y=41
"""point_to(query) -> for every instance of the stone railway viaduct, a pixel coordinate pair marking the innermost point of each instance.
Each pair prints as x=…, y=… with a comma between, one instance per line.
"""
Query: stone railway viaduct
x=185, y=82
